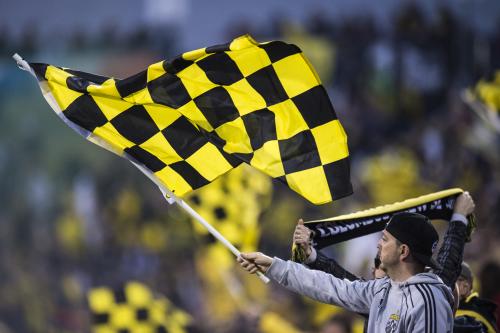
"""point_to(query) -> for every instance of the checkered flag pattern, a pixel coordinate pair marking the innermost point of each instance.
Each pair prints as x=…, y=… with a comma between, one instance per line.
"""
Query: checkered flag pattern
x=194, y=118
x=132, y=308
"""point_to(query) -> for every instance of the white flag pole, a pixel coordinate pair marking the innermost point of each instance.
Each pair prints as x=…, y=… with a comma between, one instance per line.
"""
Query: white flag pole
x=211, y=229
x=171, y=197
x=23, y=64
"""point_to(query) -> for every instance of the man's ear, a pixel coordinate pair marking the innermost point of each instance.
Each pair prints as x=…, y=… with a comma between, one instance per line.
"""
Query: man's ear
x=404, y=251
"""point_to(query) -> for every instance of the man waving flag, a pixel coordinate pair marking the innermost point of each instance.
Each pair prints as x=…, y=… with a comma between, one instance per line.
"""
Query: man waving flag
x=188, y=120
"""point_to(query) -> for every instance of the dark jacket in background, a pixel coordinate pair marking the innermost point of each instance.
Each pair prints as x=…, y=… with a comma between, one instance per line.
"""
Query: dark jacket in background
x=481, y=310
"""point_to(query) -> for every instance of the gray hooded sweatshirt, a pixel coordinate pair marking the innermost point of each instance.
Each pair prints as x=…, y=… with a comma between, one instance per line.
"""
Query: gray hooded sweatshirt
x=420, y=304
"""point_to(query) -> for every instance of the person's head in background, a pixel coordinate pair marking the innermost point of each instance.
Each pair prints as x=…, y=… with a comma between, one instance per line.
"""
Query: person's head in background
x=377, y=272
x=489, y=277
x=464, y=282
x=337, y=324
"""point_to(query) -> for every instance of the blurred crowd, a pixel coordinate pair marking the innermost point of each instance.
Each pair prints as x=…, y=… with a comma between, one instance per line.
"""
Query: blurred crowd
x=74, y=217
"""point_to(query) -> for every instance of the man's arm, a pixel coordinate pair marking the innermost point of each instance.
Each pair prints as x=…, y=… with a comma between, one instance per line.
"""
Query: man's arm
x=317, y=260
x=450, y=255
x=353, y=295
x=331, y=266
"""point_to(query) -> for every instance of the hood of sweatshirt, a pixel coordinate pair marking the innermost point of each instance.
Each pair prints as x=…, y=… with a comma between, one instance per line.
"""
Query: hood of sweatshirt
x=429, y=278
x=421, y=278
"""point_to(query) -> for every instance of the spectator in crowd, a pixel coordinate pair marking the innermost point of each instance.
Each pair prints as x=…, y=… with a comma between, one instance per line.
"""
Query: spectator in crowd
x=449, y=257
x=489, y=275
x=407, y=300
x=481, y=312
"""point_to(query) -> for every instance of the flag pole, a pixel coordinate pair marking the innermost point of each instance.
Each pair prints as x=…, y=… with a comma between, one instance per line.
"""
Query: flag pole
x=171, y=198
x=211, y=229
x=23, y=64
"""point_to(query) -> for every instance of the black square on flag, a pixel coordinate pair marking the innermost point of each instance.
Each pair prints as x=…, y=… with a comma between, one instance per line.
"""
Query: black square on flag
x=315, y=107
x=135, y=124
x=299, y=152
x=86, y=113
x=132, y=84
x=152, y=162
x=168, y=90
x=190, y=174
x=176, y=65
x=220, y=69
x=265, y=81
x=278, y=50
x=217, y=106
x=260, y=126
x=184, y=137
x=338, y=178
x=142, y=314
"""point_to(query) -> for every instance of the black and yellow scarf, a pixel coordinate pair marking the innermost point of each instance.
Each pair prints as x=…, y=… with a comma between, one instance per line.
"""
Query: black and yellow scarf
x=333, y=230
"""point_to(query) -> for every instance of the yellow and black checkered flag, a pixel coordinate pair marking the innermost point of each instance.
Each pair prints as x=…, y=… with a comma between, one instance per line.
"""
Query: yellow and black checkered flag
x=484, y=100
x=133, y=308
x=193, y=118
x=233, y=204
x=488, y=92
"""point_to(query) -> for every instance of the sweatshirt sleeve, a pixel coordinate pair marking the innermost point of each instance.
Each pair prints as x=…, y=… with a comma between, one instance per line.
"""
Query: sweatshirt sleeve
x=352, y=295
x=331, y=266
x=451, y=253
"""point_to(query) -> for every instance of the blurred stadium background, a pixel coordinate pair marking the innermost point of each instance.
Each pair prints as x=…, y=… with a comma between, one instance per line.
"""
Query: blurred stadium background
x=74, y=217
